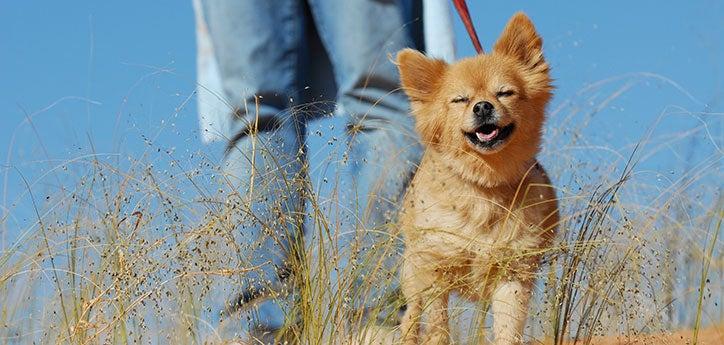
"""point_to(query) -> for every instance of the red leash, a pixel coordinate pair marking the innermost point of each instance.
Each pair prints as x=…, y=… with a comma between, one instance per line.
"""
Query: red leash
x=462, y=9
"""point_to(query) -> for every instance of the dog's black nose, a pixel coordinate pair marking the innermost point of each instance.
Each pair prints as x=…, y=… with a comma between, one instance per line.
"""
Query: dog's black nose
x=483, y=109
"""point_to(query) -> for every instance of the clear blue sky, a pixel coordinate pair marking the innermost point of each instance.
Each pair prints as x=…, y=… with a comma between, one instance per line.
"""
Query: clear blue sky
x=117, y=69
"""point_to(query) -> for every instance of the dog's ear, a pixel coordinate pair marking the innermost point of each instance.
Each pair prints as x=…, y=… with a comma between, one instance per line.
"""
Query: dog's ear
x=520, y=40
x=419, y=75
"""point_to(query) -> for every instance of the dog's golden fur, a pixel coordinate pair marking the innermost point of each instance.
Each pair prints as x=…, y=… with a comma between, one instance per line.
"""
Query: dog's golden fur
x=476, y=220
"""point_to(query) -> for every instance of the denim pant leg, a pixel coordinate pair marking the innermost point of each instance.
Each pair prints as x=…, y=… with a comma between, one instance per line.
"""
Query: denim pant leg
x=256, y=46
x=381, y=152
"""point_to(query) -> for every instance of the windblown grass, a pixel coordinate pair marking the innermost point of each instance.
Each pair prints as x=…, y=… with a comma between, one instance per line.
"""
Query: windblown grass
x=145, y=250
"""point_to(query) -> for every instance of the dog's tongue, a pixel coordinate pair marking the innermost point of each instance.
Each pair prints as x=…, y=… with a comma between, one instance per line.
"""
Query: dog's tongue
x=487, y=136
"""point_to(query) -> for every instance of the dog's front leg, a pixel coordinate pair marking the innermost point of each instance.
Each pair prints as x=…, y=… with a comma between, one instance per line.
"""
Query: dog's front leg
x=413, y=290
x=438, y=329
x=410, y=325
x=510, y=309
x=424, y=295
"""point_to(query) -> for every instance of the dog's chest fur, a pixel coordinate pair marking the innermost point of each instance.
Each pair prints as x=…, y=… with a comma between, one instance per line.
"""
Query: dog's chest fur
x=465, y=230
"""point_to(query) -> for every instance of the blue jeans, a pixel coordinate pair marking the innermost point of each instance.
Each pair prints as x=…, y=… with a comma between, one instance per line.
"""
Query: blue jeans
x=279, y=64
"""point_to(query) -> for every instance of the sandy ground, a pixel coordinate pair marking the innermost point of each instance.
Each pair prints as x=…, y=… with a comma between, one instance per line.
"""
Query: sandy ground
x=713, y=335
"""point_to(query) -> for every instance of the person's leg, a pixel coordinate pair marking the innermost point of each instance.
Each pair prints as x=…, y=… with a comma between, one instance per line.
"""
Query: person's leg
x=257, y=45
x=360, y=192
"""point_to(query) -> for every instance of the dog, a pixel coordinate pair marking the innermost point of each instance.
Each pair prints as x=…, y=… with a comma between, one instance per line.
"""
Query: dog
x=480, y=210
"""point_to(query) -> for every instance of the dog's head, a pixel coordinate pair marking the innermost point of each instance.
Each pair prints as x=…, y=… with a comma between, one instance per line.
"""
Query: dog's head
x=487, y=109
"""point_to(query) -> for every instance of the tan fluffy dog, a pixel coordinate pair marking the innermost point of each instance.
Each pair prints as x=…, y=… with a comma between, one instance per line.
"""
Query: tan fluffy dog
x=480, y=210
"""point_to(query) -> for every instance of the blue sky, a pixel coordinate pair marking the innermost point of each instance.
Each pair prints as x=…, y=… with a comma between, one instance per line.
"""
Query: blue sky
x=118, y=72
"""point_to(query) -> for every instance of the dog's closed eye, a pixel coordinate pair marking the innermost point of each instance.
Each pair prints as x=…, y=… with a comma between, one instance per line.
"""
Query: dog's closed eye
x=504, y=93
x=461, y=99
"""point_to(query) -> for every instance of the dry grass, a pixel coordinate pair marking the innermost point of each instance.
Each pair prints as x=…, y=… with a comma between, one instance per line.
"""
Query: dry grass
x=137, y=250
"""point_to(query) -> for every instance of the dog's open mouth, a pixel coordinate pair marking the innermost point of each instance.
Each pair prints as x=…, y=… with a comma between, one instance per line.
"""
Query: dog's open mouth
x=489, y=136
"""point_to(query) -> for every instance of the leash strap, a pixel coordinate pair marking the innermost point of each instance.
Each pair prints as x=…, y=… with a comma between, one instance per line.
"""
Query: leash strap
x=462, y=8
